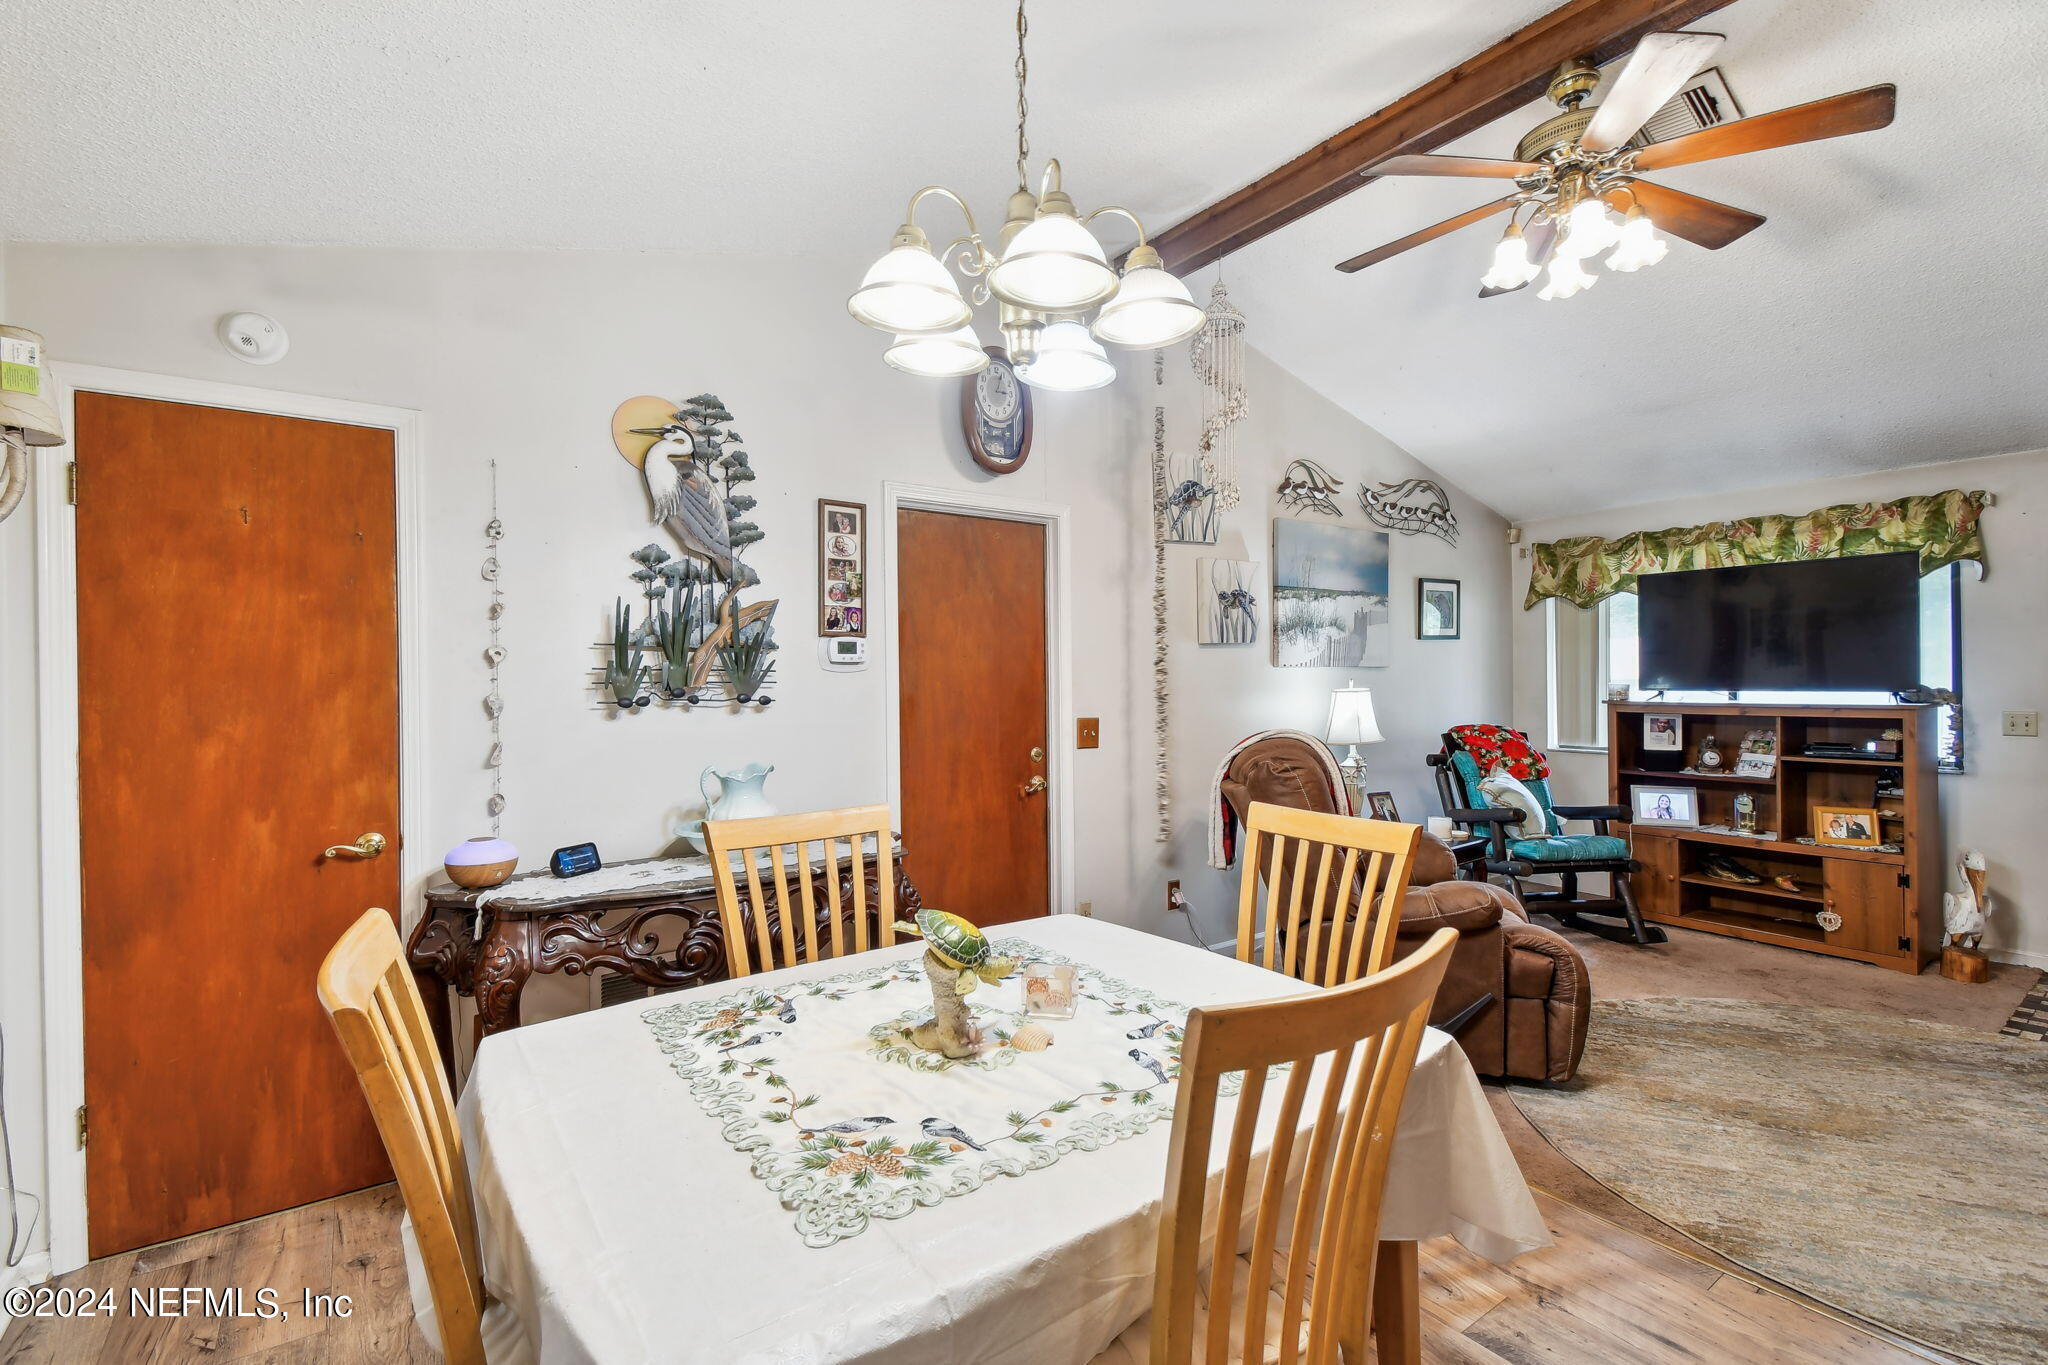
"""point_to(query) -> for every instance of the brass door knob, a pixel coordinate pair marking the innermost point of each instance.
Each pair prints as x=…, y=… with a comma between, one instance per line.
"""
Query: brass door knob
x=1034, y=786
x=1037, y=754
x=368, y=846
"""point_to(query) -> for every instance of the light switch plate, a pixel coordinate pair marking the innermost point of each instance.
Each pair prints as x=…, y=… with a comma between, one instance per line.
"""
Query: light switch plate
x=2022, y=724
x=1088, y=733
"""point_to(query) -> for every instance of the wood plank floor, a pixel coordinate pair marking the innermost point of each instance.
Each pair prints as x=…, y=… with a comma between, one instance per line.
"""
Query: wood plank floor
x=1602, y=1293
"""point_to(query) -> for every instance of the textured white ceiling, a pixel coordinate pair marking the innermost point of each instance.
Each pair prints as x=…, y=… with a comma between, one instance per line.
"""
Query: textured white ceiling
x=1887, y=315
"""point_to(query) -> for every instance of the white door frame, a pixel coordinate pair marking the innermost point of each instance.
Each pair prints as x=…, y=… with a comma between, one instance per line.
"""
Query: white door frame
x=1059, y=653
x=57, y=724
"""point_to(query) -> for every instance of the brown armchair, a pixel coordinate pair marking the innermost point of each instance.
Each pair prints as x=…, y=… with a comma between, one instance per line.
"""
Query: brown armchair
x=1515, y=996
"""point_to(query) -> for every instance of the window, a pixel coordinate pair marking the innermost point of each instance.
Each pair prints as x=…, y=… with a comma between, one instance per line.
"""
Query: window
x=1592, y=650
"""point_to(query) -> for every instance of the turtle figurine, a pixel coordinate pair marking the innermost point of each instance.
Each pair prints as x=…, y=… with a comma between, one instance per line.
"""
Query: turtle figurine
x=959, y=946
x=957, y=959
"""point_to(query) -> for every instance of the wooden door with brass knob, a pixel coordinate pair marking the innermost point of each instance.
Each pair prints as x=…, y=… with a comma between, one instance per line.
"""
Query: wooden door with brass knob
x=238, y=785
x=973, y=713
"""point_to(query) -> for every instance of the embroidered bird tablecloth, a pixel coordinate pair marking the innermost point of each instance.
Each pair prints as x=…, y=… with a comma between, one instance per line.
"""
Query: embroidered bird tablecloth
x=845, y=1120
x=637, y=1201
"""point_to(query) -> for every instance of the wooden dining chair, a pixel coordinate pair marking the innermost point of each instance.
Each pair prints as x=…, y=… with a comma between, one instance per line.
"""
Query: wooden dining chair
x=1305, y=1293
x=1320, y=924
x=796, y=924
x=368, y=992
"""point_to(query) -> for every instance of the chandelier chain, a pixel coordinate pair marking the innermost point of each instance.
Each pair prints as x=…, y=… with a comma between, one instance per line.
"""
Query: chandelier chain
x=1023, y=107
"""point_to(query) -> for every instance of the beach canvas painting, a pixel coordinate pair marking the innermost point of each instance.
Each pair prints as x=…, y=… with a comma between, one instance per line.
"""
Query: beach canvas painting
x=1227, y=601
x=1330, y=596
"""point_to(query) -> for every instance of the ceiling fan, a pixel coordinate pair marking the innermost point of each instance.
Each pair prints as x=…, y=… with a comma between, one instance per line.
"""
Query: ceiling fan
x=1576, y=170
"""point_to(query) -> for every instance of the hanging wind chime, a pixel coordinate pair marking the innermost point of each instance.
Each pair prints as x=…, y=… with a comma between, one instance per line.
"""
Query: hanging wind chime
x=494, y=655
x=1217, y=355
x=1161, y=773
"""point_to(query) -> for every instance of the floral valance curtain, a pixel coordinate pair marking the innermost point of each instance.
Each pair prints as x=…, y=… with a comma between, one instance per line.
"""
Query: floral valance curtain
x=1940, y=527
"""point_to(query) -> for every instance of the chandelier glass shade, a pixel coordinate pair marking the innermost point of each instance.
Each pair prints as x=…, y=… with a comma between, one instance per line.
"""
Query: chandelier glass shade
x=1588, y=231
x=909, y=292
x=1567, y=277
x=1512, y=267
x=945, y=355
x=1044, y=270
x=1637, y=245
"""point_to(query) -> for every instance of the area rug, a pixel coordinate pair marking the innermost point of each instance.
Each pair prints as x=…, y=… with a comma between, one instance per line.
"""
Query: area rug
x=1895, y=1169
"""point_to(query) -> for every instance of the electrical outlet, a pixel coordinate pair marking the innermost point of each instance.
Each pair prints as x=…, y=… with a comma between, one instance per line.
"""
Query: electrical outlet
x=2022, y=724
x=1085, y=908
x=1172, y=896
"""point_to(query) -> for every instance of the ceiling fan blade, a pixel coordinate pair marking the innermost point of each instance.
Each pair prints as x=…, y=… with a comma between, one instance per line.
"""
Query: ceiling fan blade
x=1453, y=165
x=1659, y=67
x=1859, y=111
x=1428, y=234
x=1539, y=238
x=1700, y=221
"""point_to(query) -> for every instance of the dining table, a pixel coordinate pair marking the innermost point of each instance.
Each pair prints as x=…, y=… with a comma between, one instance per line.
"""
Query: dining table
x=770, y=1170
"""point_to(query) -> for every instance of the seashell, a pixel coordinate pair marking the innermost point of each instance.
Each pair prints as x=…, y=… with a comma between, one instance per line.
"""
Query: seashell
x=1031, y=1038
x=496, y=805
x=496, y=759
x=494, y=656
x=495, y=529
x=490, y=569
x=494, y=706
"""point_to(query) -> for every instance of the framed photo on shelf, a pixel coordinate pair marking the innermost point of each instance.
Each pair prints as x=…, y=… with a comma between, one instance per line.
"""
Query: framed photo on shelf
x=1663, y=732
x=1439, y=608
x=1382, y=805
x=1846, y=826
x=1666, y=807
x=842, y=568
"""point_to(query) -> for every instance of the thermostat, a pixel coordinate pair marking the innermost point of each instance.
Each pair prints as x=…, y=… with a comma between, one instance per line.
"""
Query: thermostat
x=845, y=651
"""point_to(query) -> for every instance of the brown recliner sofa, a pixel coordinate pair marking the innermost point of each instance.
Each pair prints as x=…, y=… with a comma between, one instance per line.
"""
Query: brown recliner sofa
x=1515, y=995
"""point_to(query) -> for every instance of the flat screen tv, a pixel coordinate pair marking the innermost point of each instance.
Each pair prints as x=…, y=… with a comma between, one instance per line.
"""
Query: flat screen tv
x=1837, y=625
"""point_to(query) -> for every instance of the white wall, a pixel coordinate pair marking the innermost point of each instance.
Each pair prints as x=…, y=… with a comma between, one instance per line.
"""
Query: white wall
x=1995, y=805
x=522, y=356
x=1222, y=693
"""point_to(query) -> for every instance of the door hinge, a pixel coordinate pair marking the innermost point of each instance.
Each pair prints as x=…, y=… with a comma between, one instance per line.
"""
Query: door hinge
x=1904, y=943
x=1905, y=879
x=71, y=483
x=81, y=1128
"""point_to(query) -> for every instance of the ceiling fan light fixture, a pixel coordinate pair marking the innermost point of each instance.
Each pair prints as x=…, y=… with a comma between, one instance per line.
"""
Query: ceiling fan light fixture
x=1512, y=267
x=947, y=356
x=1638, y=244
x=1567, y=277
x=1588, y=231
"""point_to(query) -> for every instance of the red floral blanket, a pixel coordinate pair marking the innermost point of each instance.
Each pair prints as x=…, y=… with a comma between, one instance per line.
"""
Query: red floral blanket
x=1496, y=746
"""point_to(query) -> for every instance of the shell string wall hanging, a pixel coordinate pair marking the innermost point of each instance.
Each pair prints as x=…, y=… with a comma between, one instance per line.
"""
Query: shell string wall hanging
x=494, y=655
x=1217, y=354
x=1161, y=771
x=692, y=639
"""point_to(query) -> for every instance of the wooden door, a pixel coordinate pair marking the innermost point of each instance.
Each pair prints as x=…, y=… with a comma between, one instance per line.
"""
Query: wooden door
x=1655, y=882
x=238, y=713
x=971, y=658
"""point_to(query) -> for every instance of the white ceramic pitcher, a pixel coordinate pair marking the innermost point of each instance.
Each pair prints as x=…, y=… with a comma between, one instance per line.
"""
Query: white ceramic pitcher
x=739, y=797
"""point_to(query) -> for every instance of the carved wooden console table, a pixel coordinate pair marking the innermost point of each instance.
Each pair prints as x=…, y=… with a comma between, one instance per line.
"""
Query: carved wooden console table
x=486, y=944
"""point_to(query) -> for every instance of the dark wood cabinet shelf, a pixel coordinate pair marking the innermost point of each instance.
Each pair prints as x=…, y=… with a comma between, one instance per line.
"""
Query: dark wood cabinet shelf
x=1875, y=905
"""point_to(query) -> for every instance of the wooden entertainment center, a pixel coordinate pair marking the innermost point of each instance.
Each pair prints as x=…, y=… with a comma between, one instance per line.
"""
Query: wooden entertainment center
x=1888, y=899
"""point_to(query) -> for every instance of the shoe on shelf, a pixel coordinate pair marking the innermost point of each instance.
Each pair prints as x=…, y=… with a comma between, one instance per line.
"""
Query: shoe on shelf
x=1788, y=882
x=1721, y=867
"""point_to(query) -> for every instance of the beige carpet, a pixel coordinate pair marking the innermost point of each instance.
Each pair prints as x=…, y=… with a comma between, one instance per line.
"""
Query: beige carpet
x=1895, y=1168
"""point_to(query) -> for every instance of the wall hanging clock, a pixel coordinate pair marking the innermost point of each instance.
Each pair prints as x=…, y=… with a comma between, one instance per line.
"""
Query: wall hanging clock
x=995, y=409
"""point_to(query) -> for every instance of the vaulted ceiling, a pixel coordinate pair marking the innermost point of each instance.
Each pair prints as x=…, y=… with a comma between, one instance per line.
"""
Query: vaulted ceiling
x=1887, y=314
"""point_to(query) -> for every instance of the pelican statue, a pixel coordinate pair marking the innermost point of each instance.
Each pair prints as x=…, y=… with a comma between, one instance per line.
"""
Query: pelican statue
x=685, y=499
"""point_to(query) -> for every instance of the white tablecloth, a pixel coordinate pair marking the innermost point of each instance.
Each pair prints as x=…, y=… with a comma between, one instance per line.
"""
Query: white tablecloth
x=618, y=1225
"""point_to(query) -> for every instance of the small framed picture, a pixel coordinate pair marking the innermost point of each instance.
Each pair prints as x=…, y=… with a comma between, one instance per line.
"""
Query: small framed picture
x=1669, y=807
x=1664, y=732
x=1439, y=608
x=842, y=567
x=1382, y=805
x=1846, y=826
x=1049, y=990
x=1757, y=765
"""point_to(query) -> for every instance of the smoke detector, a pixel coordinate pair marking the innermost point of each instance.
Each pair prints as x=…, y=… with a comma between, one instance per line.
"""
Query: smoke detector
x=253, y=337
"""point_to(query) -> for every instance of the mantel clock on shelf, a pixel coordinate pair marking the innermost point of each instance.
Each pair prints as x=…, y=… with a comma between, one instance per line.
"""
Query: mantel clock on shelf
x=1710, y=755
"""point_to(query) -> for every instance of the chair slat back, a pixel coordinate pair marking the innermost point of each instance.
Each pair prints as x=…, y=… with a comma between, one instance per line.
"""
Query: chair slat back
x=780, y=922
x=369, y=994
x=1314, y=1213
x=1333, y=888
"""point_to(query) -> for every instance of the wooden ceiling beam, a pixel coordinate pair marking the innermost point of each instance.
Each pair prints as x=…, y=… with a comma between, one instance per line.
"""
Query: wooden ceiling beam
x=1506, y=76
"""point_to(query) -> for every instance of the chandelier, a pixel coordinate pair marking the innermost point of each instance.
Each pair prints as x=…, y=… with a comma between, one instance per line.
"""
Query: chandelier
x=1045, y=273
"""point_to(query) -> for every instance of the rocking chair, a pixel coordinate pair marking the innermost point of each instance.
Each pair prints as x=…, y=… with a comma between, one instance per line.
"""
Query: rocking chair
x=1469, y=755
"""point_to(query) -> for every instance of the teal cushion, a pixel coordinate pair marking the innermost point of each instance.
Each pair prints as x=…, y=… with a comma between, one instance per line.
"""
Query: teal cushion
x=1570, y=848
x=1469, y=778
x=1539, y=788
